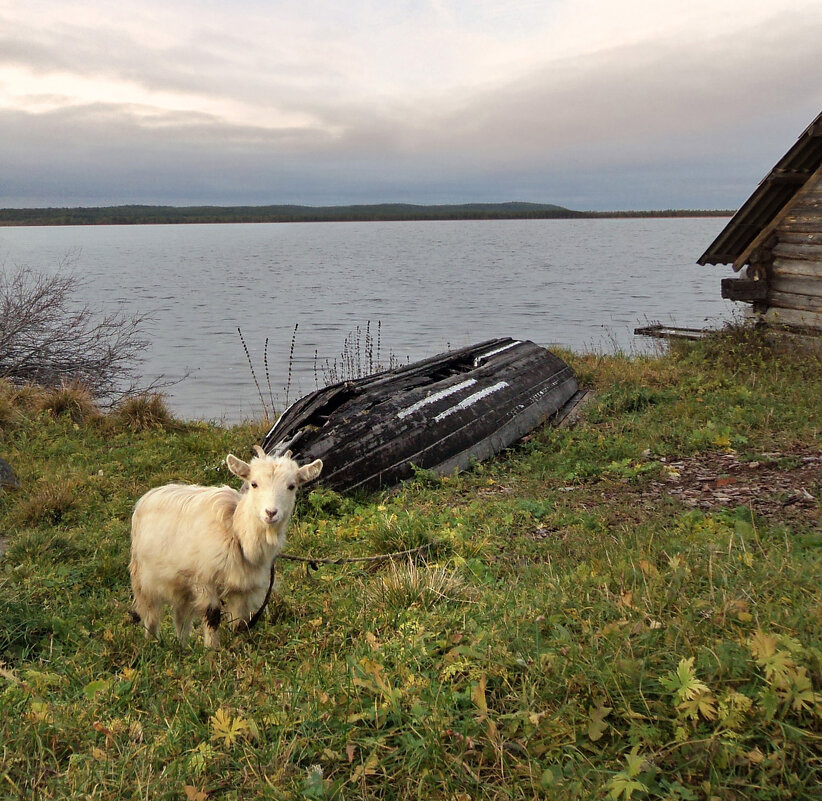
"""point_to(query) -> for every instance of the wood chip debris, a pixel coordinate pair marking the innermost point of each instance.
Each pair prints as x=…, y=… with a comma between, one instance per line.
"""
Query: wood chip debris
x=770, y=483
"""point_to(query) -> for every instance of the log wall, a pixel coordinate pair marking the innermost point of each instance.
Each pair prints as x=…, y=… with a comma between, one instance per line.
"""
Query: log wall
x=795, y=270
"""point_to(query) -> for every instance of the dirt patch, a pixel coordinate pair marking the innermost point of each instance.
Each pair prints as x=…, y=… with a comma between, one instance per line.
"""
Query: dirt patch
x=783, y=485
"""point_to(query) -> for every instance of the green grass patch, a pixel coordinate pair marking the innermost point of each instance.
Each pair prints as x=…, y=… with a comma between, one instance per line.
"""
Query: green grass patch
x=572, y=630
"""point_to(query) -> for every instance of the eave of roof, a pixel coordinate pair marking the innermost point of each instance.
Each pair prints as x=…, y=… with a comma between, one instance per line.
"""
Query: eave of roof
x=774, y=192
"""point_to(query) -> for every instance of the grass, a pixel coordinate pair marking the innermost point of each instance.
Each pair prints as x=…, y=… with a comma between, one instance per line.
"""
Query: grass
x=144, y=412
x=572, y=634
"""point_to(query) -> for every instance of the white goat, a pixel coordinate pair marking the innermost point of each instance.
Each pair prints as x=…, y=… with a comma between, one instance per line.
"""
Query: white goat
x=199, y=548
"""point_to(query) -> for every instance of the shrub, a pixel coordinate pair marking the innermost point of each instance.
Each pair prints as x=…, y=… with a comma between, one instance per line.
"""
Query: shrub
x=47, y=338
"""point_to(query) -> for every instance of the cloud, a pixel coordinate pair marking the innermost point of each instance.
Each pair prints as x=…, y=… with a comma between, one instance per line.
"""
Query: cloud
x=621, y=101
x=585, y=103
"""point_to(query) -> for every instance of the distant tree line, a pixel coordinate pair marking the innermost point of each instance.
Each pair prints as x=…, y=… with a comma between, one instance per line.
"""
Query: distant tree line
x=147, y=215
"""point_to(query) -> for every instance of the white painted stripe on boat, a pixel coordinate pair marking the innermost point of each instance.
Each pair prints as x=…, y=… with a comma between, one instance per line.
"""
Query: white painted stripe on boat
x=443, y=393
x=491, y=353
x=471, y=400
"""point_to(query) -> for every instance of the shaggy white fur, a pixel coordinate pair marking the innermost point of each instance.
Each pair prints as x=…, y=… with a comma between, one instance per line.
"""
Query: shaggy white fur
x=202, y=548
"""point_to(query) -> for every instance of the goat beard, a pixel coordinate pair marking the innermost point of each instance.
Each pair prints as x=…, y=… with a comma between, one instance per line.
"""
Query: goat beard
x=272, y=533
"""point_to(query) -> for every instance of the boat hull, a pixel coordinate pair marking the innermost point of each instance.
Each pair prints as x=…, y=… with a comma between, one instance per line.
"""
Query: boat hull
x=440, y=414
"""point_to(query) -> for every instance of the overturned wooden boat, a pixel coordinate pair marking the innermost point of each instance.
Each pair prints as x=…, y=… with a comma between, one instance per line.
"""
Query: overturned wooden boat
x=441, y=414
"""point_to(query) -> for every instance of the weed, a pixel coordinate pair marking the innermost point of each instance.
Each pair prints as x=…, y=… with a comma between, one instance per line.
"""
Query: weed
x=401, y=531
x=268, y=414
x=143, y=413
x=409, y=585
x=22, y=397
x=48, y=503
x=361, y=356
x=73, y=400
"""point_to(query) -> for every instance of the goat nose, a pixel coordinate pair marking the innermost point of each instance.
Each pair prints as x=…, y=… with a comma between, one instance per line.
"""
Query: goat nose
x=271, y=513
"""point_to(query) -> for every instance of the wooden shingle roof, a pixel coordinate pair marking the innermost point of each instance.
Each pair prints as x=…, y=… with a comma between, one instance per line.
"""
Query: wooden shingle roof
x=775, y=191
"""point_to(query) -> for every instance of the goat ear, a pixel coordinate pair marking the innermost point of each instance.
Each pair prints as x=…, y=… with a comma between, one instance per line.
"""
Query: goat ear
x=310, y=471
x=260, y=452
x=237, y=466
x=287, y=454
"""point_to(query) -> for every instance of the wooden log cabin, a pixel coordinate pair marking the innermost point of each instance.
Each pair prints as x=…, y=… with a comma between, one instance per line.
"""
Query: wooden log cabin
x=776, y=236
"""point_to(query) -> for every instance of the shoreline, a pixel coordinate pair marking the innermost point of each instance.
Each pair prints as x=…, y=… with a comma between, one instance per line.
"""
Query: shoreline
x=384, y=212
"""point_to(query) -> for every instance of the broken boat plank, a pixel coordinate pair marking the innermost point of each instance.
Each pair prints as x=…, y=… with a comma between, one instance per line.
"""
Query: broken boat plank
x=440, y=414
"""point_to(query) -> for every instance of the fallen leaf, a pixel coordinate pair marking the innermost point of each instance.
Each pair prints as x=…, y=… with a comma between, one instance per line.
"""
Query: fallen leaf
x=597, y=725
x=762, y=645
x=478, y=695
x=648, y=568
x=9, y=675
x=94, y=687
x=368, y=769
x=226, y=728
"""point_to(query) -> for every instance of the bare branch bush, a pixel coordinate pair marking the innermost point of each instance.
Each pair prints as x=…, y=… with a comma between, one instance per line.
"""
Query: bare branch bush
x=49, y=338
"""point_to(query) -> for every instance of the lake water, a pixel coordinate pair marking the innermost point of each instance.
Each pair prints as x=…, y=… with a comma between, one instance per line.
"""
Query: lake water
x=583, y=284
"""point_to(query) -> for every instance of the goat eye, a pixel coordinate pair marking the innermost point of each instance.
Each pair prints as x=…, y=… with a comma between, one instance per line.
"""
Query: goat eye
x=292, y=486
x=254, y=484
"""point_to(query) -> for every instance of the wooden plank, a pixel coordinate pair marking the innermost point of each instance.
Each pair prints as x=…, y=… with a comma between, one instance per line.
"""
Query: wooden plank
x=787, y=176
x=788, y=300
x=799, y=227
x=457, y=447
x=799, y=216
x=510, y=432
x=793, y=318
x=319, y=405
x=808, y=207
x=799, y=239
x=797, y=286
x=744, y=289
x=812, y=197
x=659, y=331
x=796, y=267
x=807, y=251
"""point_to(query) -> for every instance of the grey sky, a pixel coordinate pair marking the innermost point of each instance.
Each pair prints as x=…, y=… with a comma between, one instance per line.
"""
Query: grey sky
x=591, y=104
